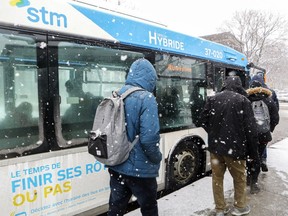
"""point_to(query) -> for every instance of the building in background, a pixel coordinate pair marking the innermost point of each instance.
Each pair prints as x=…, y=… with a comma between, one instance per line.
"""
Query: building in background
x=225, y=38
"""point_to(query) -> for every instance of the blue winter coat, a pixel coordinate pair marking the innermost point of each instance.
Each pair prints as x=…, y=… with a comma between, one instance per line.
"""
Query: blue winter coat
x=142, y=119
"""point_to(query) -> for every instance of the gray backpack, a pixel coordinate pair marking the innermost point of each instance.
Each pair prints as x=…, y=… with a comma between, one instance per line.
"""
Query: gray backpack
x=108, y=141
x=261, y=114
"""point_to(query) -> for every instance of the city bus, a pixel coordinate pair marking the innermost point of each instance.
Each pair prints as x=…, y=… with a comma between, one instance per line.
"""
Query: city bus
x=58, y=60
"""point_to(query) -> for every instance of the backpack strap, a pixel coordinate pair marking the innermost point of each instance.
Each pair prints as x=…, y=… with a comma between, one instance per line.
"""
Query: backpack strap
x=134, y=141
x=124, y=95
x=130, y=90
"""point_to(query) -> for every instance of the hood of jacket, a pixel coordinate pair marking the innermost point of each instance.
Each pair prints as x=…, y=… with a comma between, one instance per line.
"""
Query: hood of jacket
x=258, y=93
x=233, y=83
x=142, y=74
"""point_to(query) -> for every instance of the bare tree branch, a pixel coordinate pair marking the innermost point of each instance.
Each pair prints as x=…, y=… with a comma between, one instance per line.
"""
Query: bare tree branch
x=256, y=30
x=263, y=39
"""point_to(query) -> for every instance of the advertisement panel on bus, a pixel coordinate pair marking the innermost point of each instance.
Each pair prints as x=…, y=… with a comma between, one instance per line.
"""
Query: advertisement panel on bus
x=66, y=182
x=57, y=185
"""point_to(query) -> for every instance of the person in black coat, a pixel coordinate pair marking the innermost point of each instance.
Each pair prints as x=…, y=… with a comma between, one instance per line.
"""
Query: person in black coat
x=258, y=92
x=229, y=121
x=260, y=78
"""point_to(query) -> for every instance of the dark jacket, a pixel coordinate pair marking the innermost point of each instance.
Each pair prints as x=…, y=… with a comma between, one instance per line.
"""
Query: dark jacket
x=259, y=78
x=257, y=93
x=142, y=119
x=229, y=121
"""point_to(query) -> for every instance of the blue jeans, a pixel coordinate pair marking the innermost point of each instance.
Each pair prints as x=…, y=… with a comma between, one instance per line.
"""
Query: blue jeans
x=264, y=155
x=123, y=186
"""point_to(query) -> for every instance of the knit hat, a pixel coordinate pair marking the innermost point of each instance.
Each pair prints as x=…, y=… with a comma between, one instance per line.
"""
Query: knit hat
x=255, y=84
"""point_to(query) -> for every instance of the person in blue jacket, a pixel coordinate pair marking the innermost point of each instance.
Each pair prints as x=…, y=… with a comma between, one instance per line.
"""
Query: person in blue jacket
x=137, y=175
x=259, y=76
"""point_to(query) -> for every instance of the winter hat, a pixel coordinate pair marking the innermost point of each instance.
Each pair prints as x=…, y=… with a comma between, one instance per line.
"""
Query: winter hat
x=259, y=78
x=255, y=84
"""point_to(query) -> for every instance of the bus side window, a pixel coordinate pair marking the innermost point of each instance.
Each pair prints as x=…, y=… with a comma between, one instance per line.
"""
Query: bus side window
x=197, y=101
x=77, y=106
x=82, y=104
x=210, y=77
x=20, y=117
x=19, y=104
x=219, y=79
x=171, y=102
x=86, y=74
x=170, y=99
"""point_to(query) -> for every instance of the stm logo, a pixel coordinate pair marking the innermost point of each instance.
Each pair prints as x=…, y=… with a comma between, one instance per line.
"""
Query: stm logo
x=20, y=3
x=41, y=15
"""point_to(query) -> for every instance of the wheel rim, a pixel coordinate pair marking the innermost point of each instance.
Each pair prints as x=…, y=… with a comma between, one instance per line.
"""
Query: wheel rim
x=184, y=165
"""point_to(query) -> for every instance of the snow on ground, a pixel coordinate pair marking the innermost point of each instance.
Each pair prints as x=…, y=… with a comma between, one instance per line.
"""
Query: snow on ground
x=197, y=198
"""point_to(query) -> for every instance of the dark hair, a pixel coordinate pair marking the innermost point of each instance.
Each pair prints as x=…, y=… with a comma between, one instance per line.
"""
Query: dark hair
x=69, y=84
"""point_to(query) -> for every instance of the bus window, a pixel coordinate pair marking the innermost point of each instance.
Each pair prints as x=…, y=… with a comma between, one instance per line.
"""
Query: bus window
x=87, y=74
x=240, y=73
x=180, y=91
x=219, y=78
x=19, y=108
x=197, y=92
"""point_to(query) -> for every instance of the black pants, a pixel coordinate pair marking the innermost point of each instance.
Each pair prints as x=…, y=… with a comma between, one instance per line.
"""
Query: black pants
x=122, y=187
x=253, y=167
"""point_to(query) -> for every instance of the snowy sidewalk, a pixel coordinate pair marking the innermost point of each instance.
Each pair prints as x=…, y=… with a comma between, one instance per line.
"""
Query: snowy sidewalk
x=196, y=199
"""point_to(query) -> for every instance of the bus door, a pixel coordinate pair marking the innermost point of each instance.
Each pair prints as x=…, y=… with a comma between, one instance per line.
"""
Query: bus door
x=217, y=74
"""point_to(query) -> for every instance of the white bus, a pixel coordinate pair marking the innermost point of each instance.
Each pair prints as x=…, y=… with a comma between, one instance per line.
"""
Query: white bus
x=58, y=60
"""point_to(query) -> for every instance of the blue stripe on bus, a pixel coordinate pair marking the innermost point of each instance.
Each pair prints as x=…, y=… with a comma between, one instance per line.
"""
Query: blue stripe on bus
x=140, y=34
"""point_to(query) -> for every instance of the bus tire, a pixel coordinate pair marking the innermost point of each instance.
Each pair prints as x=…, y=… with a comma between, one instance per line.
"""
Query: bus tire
x=184, y=165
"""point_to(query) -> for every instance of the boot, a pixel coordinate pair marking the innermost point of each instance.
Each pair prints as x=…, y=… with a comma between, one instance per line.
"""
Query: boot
x=264, y=167
x=241, y=211
x=254, y=188
x=248, y=180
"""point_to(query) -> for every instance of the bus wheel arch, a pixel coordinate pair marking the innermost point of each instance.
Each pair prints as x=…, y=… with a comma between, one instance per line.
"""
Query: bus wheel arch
x=185, y=163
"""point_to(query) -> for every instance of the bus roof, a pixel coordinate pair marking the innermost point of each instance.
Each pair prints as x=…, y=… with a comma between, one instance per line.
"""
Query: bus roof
x=89, y=21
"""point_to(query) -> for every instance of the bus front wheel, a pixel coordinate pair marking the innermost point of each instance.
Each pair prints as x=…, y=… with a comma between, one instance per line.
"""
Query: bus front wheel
x=184, y=165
